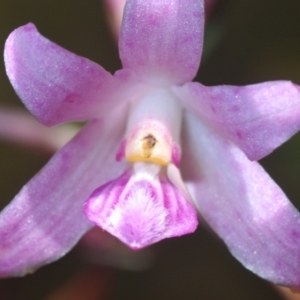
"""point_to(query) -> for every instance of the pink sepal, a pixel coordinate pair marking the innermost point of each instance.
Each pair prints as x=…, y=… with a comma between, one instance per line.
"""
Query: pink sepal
x=258, y=118
x=242, y=204
x=140, y=210
x=58, y=86
x=162, y=39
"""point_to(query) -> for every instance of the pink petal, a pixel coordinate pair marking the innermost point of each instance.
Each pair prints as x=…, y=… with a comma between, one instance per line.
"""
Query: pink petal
x=162, y=39
x=242, y=204
x=56, y=85
x=45, y=220
x=258, y=118
x=141, y=211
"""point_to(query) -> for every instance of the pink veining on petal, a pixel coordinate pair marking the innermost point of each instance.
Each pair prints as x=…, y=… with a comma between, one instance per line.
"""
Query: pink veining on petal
x=45, y=220
x=56, y=85
x=258, y=118
x=162, y=39
x=141, y=211
x=115, y=12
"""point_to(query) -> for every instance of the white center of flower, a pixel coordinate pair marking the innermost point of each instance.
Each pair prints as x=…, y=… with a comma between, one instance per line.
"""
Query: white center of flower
x=149, y=142
x=153, y=128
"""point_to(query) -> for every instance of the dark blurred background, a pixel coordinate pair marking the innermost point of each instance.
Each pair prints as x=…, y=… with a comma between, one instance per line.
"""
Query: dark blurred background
x=247, y=41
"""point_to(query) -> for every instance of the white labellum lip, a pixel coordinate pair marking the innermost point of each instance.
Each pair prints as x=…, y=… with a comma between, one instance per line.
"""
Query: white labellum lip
x=149, y=201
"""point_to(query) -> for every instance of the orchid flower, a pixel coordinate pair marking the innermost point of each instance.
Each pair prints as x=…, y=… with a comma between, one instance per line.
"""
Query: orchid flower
x=156, y=147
